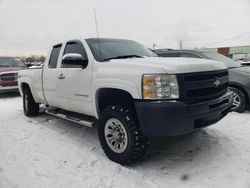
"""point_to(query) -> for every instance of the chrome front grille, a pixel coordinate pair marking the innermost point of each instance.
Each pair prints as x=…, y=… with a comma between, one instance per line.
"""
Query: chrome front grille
x=8, y=77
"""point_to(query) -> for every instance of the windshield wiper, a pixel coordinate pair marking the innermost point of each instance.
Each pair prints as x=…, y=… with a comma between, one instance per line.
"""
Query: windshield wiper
x=122, y=57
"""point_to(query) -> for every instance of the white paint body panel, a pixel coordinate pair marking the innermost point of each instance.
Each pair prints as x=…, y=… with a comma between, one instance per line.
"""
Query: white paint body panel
x=78, y=91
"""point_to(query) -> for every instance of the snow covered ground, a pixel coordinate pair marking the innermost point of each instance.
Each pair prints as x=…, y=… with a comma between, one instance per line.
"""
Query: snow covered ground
x=45, y=152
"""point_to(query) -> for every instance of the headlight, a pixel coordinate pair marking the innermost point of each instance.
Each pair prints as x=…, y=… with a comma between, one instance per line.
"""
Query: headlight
x=160, y=86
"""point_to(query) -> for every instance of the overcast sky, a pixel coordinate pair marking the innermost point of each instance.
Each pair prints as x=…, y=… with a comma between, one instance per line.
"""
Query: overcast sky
x=32, y=26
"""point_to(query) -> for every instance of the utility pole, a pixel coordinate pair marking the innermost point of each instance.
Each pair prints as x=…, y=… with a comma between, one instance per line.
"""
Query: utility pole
x=181, y=45
x=154, y=45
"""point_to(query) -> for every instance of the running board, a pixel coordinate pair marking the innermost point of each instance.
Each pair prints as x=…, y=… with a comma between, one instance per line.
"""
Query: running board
x=71, y=118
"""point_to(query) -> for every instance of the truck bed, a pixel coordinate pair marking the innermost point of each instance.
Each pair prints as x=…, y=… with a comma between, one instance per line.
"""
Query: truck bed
x=33, y=76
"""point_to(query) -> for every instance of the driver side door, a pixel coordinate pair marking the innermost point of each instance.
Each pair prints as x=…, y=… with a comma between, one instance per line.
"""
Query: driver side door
x=74, y=82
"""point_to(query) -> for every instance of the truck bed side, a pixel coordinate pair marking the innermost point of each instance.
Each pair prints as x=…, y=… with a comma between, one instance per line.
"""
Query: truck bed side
x=33, y=78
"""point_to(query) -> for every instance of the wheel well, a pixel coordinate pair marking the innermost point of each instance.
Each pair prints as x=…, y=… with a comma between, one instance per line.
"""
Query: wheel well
x=242, y=90
x=24, y=86
x=110, y=96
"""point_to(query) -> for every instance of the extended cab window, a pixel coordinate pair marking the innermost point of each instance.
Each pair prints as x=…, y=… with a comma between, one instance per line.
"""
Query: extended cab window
x=74, y=47
x=54, y=56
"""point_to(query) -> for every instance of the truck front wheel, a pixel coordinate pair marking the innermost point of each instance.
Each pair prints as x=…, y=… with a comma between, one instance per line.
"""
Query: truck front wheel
x=120, y=135
x=30, y=107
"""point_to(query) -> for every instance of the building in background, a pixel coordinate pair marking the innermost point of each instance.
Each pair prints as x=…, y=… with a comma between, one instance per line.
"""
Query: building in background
x=238, y=53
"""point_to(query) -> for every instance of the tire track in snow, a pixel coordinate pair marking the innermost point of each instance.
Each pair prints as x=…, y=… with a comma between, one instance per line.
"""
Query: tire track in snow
x=91, y=141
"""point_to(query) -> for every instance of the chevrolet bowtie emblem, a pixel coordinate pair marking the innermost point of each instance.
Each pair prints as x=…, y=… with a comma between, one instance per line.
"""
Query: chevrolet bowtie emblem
x=216, y=82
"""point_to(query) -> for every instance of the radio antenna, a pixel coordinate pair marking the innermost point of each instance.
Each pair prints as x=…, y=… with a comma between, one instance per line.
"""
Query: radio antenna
x=97, y=32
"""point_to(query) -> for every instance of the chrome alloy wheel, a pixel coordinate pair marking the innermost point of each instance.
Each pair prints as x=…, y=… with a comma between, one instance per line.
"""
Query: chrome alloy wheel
x=236, y=100
x=116, y=135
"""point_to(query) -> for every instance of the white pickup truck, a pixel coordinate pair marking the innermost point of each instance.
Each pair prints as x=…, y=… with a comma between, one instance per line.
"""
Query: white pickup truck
x=127, y=91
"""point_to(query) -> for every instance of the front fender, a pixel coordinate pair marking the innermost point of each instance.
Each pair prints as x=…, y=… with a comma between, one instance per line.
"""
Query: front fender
x=128, y=86
x=124, y=85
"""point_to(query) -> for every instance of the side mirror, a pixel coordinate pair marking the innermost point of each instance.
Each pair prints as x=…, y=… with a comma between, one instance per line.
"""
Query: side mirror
x=75, y=59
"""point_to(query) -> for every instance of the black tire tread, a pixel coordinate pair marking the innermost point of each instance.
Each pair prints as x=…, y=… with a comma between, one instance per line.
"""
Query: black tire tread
x=33, y=107
x=139, y=144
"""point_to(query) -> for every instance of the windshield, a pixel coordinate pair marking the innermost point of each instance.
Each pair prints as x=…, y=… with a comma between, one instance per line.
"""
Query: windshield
x=218, y=57
x=106, y=49
x=11, y=62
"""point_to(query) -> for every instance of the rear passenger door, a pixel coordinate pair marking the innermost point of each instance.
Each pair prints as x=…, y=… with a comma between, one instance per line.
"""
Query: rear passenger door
x=49, y=78
x=74, y=90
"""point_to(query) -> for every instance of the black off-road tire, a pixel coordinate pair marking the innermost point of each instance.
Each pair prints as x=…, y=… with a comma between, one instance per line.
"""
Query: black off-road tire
x=241, y=99
x=30, y=107
x=137, y=142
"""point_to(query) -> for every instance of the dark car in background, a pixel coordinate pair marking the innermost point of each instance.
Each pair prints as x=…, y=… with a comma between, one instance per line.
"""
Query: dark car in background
x=239, y=76
x=9, y=67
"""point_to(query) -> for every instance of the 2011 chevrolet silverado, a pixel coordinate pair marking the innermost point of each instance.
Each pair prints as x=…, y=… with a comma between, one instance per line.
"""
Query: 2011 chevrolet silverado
x=129, y=92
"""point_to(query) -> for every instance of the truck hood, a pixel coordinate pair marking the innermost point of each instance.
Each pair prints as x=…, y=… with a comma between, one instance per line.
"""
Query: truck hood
x=10, y=69
x=173, y=65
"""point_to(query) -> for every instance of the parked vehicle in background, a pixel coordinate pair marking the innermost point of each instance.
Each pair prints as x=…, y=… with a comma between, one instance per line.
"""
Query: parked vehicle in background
x=239, y=80
x=9, y=67
x=129, y=92
x=245, y=63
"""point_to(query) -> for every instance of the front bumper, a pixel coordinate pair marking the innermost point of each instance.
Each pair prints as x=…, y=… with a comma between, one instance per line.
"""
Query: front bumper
x=6, y=89
x=167, y=118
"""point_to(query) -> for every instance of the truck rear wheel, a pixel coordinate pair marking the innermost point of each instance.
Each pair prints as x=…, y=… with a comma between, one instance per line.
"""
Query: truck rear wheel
x=120, y=135
x=30, y=107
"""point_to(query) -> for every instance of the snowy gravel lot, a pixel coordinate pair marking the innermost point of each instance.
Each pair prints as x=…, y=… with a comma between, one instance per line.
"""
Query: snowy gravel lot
x=48, y=152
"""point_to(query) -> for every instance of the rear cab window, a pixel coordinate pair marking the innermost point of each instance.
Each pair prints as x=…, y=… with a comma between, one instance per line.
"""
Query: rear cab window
x=54, y=56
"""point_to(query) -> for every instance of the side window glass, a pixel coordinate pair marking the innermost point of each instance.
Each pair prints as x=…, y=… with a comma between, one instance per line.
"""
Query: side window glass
x=54, y=56
x=189, y=55
x=74, y=47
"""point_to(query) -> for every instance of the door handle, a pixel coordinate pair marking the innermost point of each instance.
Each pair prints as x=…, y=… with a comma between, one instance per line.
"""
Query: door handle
x=61, y=76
